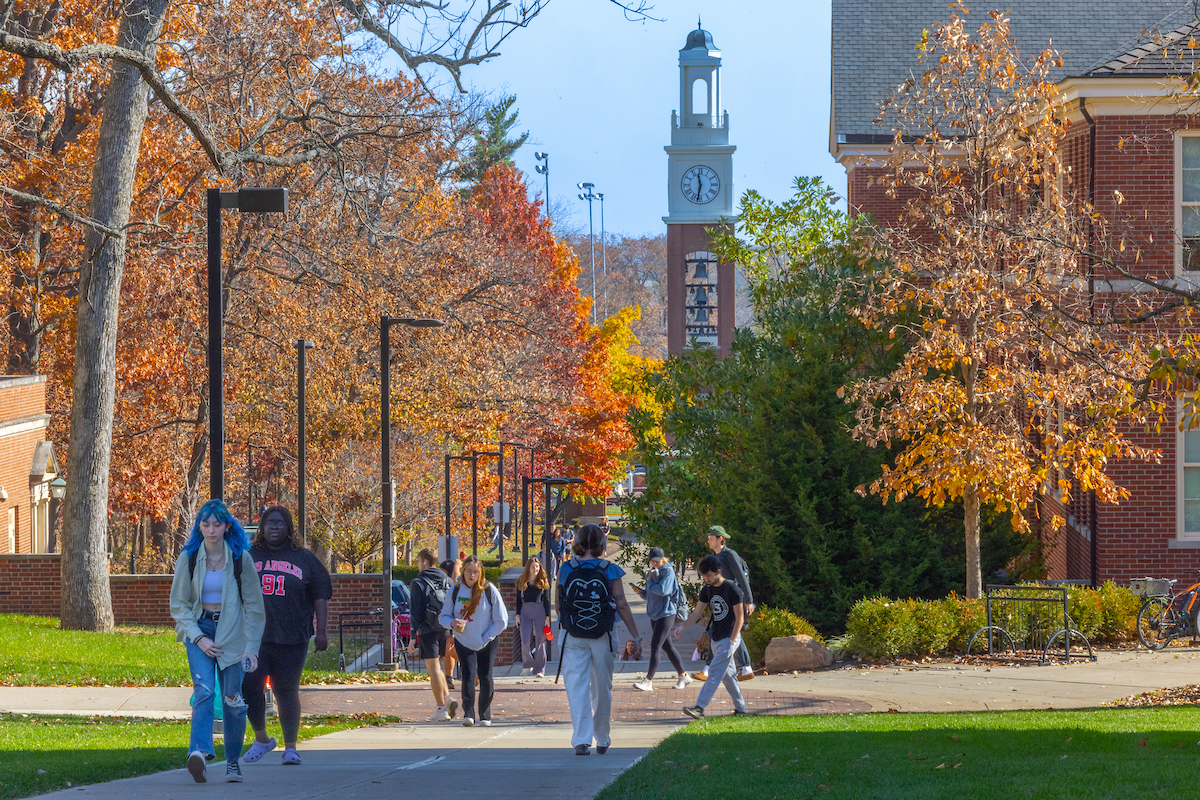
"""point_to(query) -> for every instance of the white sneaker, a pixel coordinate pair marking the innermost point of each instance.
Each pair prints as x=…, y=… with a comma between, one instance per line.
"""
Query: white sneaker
x=487, y=723
x=526, y=672
x=683, y=681
x=438, y=716
x=468, y=722
x=644, y=685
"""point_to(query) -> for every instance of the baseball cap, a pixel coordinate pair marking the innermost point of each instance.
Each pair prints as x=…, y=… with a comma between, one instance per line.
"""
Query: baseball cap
x=656, y=552
x=717, y=530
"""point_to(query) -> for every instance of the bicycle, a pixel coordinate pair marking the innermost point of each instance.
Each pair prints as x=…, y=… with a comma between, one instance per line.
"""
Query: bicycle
x=1167, y=615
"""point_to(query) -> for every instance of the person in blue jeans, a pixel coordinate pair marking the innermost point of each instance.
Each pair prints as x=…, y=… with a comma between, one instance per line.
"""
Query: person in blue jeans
x=725, y=634
x=217, y=605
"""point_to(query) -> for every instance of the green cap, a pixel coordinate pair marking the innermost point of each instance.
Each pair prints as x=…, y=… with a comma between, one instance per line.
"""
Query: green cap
x=717, y=530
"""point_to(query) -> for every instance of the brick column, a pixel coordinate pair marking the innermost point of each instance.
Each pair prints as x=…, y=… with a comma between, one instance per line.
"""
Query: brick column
x=508, y=651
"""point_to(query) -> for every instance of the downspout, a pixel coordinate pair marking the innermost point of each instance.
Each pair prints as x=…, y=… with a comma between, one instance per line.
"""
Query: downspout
x=1092, y=526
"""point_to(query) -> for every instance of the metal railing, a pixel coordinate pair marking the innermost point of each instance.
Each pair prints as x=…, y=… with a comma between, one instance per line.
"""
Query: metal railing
x=1032, y=621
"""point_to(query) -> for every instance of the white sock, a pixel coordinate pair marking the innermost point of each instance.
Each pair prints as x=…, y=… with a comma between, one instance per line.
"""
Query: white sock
x=441, y=709
x=746, y=670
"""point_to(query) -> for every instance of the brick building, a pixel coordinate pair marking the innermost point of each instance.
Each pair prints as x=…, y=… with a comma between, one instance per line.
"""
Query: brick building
x=27, y=465
x=1132, y=149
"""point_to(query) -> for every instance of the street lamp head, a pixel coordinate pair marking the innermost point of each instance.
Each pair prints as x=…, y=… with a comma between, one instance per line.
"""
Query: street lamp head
x=416, y=322
x=585, y=185
x=601, y=196
x=541, y=156
x=58, y=488
x=541, y=170
x=257, y=200
x=307, y=345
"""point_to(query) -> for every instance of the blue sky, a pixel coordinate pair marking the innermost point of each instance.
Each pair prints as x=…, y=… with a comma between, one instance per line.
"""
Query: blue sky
x=596, y=92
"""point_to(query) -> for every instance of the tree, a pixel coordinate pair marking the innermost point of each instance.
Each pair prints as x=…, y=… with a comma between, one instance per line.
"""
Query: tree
x=1004, y=390
x=636, y=276
x=493, y=144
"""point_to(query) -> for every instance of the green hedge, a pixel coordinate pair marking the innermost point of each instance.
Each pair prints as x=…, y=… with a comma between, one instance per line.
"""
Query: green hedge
x=768, y=623
x=880, y=628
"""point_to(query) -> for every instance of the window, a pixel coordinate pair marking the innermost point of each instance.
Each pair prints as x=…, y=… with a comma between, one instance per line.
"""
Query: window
x=1188, y=193
x=700, y=96
x=1188, y=481
x=700, y=305
x=12, y=530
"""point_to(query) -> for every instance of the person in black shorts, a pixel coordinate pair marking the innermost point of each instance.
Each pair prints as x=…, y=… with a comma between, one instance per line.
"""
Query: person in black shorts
x=295, y=587
x=430, y=638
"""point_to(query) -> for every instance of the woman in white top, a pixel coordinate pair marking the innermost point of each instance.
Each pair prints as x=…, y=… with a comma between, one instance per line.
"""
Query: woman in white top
x=475, y=612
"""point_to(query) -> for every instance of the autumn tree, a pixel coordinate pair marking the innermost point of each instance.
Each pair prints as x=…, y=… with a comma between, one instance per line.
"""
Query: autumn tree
x=1003, y=393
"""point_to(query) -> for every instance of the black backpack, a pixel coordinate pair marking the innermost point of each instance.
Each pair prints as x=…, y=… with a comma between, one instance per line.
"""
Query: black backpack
x=237, y=568
x=586, y=607
x=435, y=598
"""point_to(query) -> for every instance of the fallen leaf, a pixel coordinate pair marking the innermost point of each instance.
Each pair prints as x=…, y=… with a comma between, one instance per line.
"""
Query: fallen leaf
x=956, y=766
x=1142, y=743
x=940, y=766
x=704, y=767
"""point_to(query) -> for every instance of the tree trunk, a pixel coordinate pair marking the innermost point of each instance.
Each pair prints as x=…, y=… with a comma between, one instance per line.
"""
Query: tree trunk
x=971, y=522
x=86, y=602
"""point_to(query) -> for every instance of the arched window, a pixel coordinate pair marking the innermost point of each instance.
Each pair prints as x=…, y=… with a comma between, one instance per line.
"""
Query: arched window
x=699, y=96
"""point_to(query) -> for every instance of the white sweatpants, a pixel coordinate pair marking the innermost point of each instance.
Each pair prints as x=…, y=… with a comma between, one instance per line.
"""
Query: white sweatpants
x=587, y=670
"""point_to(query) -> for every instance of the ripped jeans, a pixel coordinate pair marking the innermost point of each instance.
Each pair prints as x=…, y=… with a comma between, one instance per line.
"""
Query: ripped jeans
x=233, y=707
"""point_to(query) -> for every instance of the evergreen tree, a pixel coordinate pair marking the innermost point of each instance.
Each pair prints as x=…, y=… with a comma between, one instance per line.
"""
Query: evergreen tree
x=492, y=143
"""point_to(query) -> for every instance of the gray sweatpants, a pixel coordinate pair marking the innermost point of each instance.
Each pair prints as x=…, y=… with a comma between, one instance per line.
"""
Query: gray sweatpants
x=722, y=670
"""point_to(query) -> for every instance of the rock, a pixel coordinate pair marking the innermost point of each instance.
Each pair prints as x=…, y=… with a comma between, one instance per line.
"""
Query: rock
x=787, y=653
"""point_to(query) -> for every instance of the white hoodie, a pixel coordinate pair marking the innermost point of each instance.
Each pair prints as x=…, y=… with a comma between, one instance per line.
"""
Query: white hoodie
x=489, y=620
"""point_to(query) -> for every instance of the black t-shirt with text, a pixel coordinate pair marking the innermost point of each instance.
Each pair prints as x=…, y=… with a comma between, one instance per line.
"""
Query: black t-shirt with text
x=721, y=599
x=292, y=582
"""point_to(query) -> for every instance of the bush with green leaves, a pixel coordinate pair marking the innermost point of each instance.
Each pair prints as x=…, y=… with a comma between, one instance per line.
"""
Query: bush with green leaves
x=937, y=626
x=1120, y=609
x=969, y=616
x=1086, y=610
x=768, y=623
x=881, y=628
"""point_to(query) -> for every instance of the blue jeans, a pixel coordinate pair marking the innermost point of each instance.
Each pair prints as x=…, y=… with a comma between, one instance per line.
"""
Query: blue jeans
x=722, y=670
x=233, y=708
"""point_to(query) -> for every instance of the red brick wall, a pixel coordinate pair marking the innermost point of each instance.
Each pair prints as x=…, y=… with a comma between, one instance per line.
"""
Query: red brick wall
x=21, y=398
x=29, y=584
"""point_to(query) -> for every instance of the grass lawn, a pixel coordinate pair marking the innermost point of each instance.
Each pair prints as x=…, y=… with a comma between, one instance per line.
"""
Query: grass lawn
x=35, y=652
x=43, y=754
x=1126, y=753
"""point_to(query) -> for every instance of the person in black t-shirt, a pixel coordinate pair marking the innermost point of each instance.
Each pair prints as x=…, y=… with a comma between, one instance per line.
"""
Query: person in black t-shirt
x=295, y=587
x=725, y=634
x=533, y=611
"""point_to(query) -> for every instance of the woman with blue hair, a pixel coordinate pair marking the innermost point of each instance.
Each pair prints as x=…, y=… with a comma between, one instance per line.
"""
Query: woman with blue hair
x=217, y=605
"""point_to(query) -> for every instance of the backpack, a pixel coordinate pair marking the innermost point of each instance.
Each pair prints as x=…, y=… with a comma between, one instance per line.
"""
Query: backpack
x=681, y=604
x=237, y=568
x=586, y=607
x=435, y=598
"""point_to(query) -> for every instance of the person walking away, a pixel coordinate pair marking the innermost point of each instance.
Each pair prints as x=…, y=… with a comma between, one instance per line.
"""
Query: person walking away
x=590, y=595
x=295, y=588
x=217, y=604
x=662, y=595
x=725, y=634
x=453, y=569
x=477, y=615
x=734, y=569
x=428, y=593
x=533, y=609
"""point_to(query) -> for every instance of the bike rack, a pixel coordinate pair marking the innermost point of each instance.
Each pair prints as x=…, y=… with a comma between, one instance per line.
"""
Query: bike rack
x=364, y=629
x=1028, y=618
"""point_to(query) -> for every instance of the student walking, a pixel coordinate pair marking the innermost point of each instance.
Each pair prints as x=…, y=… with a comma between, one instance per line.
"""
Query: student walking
x=217, y=605
x=428, y=593
x=663, y=595
x=725, y=634
x=533, y=610
x=590, y=595
x=477, y=615
x=734, y=569
x=296, y=588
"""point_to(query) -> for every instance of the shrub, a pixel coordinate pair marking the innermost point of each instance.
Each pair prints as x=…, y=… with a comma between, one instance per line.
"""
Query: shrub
x=767, y=623
x=880, y=628
x=1085, y=609
x=936, y=627
x=969, y=615
x=1120, y=608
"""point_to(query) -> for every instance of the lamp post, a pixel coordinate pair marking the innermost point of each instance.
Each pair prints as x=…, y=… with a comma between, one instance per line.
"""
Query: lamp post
x=603, y=257
x=590, y=196
x=302, y=346
x=389, y=494
x=498, y=515
x=251, y=201
x=474, y=504
x=544, y=169
x=547, y=482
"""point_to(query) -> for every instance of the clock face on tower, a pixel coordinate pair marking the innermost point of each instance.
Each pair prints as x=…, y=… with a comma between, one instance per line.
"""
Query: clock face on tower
x=700, y=184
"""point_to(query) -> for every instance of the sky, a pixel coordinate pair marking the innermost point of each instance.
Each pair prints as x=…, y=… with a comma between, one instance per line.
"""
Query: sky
x=596, y=92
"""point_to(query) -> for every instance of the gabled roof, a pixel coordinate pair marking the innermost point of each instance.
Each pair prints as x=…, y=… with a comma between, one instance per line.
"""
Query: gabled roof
x=874, y=43
x=1156, y=53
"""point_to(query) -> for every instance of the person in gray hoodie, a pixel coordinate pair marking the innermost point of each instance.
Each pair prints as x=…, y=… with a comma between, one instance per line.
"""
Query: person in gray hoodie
x=661, y=607
x=475, y=612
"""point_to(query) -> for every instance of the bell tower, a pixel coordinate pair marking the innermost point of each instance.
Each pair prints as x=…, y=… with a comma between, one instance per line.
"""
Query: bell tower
x=700, y=291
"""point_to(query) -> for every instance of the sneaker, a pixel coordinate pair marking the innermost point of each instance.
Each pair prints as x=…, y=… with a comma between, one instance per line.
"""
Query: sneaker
x=695, y=712
x=451, y=708
x=601, y=749
x=291, y=758
x=737, y=713
x=582, y=750
x=683, y=681
x=487, y=723
x=438, y=716
x=468, y=722
x=746, y=676
x=526, y=672
x=450, y=684
x=540, y=675
x=258, y=750
x=197, y=766
x=644, y=685
x=233, y=773
x=700, y=676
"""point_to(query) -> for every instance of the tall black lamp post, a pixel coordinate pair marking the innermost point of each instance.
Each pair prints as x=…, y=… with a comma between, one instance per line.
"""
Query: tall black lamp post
x=251, y=201
x=389, y=495
x=474, y=505
x=302, y=346
x=498, y=516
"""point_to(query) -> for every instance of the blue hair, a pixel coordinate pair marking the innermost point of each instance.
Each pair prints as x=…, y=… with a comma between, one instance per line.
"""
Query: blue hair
x=235, y=534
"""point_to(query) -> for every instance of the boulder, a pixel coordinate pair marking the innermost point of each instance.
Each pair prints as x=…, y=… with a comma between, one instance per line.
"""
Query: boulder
x=787, y=653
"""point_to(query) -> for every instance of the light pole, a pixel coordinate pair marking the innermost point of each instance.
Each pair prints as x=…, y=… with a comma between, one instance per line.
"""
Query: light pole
x=544, y=169
x=389, y=496
x=474, y=503
x=603, y=256
x=498, y=516
x=590, y=196
x=302, y=346
x=251, y=201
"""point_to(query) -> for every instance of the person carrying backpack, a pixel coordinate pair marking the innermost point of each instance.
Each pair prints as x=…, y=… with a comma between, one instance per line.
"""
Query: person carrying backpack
x=664, y=600
x=733, y=568
x=590, y=595
x=475, y=612
x=428, y=594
